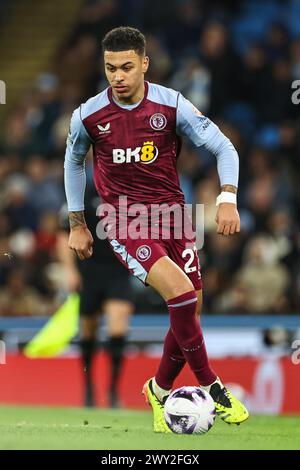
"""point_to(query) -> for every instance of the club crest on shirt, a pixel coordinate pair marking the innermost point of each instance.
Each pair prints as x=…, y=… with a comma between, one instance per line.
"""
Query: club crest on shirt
x=158, y=121
x=143, y=252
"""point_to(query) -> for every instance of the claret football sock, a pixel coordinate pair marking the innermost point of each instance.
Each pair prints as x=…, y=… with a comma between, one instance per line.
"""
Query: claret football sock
x=186, y=328
x=171, y=364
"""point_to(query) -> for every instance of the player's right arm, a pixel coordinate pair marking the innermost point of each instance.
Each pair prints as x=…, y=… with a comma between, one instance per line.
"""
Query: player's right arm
x=78, y=144
x=203, y=132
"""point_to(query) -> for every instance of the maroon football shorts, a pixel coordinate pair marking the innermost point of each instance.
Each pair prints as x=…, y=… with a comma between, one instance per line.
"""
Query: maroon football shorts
x=139, y=255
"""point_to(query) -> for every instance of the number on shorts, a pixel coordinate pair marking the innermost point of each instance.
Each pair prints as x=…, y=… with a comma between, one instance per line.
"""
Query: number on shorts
x=187, y=267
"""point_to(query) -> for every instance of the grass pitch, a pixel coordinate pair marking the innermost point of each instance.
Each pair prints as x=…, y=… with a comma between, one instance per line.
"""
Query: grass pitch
x=82, y=428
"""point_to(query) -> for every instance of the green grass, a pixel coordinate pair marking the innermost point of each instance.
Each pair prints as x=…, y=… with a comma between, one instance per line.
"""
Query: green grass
x=81, y=428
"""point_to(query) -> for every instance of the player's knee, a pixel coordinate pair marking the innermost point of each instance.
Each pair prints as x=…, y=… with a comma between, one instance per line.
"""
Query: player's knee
x=182, y=288
x=178, y=285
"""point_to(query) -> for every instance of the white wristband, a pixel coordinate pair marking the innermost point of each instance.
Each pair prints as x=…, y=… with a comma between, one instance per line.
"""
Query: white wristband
x=226, y=196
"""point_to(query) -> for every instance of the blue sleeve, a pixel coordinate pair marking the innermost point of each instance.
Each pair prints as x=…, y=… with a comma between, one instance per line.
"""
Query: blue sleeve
x=202, y=131
x=78, y=144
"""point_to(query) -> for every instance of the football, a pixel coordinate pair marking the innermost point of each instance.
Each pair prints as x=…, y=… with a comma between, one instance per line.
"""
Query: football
x=189, y=410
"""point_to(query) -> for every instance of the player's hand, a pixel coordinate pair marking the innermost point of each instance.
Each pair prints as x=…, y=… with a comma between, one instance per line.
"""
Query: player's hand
x=81, y=241
x=228, y=219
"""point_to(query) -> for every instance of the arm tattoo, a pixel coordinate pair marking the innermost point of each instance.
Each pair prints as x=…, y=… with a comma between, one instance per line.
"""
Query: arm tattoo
x=77, y=219
x=229, y=188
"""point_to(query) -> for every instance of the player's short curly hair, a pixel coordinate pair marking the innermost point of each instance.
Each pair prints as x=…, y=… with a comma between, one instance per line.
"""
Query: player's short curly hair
x=124, y=38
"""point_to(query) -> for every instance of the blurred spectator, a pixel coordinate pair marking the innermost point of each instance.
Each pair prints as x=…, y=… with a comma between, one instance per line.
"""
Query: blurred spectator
x=183, y=31
x=18, y=208
x=160, y=60
x=255, y=77
x=277, y=43
x=45, y=193
x=261, y=283
x=194, y=81
x=46, y=233
x=18, y=298
x=295, y=59
x=217, y=55
x=278, y=93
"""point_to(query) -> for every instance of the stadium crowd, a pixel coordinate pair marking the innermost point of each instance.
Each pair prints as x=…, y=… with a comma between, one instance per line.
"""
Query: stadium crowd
x=236, y=61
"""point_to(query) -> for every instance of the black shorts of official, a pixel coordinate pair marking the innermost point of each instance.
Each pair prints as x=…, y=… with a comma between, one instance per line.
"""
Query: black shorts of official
x=101, y=283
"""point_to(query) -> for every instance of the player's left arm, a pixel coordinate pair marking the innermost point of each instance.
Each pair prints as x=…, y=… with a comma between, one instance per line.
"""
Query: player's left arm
x=203, y=132
x=227, y=216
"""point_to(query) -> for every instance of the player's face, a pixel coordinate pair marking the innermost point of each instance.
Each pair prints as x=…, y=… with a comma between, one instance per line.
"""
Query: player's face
x=125, y=72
